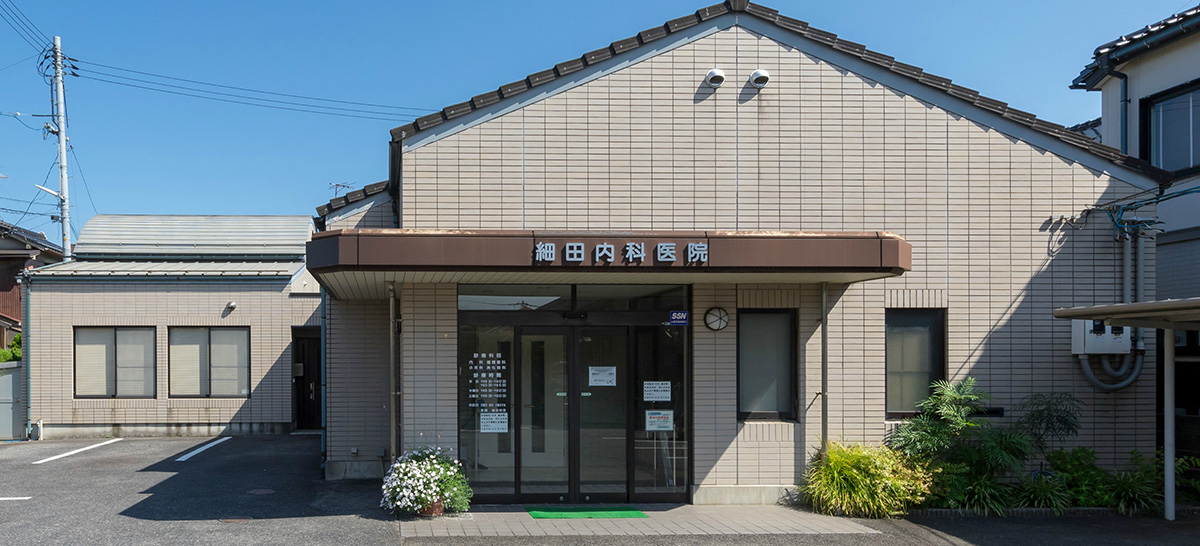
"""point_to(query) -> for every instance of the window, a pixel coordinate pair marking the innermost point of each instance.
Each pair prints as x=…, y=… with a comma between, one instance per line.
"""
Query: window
x=114, y=363
x=916, y=357
x=210, y=362
x=766, y=364
x=1174, y=128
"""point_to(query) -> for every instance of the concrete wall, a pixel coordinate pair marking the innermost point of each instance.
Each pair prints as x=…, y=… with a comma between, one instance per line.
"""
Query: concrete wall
x=270, y=310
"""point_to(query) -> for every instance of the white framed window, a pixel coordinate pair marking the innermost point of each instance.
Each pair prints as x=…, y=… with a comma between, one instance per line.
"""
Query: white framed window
x=1172, y=133
x=209, y=362
x=115, y=362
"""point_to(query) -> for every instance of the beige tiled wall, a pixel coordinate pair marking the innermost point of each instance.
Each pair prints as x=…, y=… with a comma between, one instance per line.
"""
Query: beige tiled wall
x=820, y=148
x=269, y=309
x=356, y=396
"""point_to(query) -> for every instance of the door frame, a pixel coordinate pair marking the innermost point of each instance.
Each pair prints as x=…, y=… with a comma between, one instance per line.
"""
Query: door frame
x=575, y=383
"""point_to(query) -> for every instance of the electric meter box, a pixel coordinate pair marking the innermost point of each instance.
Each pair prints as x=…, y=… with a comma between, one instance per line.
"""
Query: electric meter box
x=1093, y=337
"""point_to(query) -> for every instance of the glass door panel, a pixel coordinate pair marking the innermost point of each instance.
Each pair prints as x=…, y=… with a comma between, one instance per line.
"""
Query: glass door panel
x=660, y=434
x=545, y=415
x=603, y=368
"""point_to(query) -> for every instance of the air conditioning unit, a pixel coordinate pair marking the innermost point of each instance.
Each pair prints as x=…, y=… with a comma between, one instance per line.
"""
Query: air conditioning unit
x=1093, y=337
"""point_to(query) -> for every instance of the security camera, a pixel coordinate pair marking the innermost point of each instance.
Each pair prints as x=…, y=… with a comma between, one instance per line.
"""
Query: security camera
x=231, y=305
x=714, y=78
x=760, y=78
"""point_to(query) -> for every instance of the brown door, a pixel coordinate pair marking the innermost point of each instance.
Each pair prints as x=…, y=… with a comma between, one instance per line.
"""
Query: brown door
x=306, y=377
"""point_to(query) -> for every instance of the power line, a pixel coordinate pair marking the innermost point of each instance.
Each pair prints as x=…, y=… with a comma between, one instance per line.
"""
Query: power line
x=32, y=43
x=22, y=201
x=14, y=116
x=39, y=193
x=25, y=212
x=28, y=22
x=20, y=61
x=247, y=89
x=241, y=96
x=237, y=101
x=84, y=179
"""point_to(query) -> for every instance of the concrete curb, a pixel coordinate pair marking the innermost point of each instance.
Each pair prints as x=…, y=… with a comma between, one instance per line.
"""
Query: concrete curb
x=1032, y=512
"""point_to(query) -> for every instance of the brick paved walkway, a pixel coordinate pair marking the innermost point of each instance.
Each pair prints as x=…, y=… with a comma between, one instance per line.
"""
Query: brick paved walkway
x=665, y=519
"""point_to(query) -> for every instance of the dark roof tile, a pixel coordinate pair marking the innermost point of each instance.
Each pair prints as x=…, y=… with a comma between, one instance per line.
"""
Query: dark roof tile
x=567, y=67
x=762, y=11
x=1020, y=115
x=991, y=104
x=676, y=25
x=621, y=46
x=486, y=99
x=337, y=202
x=425, y=122
x=850, y=47
x=827, y=38
x=738, y=5
x=593, y=57
x=538, y=78
x=791, y=24
x=651, y=34
x=907, y=70
x=935, y=81
x=715, y=10
x=455, y=110
x=404, y=131
x=322, y=210
x=964, y=93
x=515, y=88
x=885, y=61
x=356, y=195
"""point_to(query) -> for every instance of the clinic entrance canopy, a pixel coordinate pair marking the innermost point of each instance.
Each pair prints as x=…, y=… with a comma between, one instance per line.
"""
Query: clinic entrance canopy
x=357, y=264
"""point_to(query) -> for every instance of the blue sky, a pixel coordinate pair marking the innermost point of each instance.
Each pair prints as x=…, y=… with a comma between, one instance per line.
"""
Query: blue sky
x=153, y=153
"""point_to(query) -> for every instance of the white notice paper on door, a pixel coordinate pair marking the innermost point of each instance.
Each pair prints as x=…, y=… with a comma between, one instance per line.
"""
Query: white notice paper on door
x=602, y=376
x=496, y=421
x=656, y=391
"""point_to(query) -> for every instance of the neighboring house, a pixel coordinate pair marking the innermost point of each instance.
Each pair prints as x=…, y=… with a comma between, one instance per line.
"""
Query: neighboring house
x=1150, y=85
x=20, y=249
x=176, y=325
x=605, y=281
x=1150, y=81
x=1091, y=129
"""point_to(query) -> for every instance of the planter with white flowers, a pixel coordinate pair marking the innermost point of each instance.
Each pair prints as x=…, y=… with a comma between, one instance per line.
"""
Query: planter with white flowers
x=426, y=481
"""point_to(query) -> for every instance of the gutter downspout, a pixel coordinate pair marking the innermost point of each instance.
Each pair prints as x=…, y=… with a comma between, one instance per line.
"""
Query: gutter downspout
x=324, y=373
x=824, y=366
x=393, y=392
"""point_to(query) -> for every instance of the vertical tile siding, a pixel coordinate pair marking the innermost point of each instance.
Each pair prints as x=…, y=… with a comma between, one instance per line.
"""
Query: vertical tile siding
x=269, y=310
x=821, y=148
x=356, y=376
x=429, y=361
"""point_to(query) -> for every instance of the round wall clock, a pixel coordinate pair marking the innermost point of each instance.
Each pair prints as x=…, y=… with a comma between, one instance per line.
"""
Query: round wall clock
x=716, y=319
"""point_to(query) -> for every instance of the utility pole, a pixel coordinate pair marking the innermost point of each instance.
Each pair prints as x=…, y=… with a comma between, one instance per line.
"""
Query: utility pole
x=60, y=120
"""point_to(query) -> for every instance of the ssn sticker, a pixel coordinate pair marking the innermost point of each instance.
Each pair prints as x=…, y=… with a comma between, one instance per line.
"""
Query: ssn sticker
x=679, y=318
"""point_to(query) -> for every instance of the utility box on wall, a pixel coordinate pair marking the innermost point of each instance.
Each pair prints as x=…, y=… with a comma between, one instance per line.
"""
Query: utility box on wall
x=1093, y=337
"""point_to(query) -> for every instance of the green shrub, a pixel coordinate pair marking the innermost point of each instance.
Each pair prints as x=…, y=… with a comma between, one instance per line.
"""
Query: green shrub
x=1087, y=484
x=1042, y=491
x=5, y=355
x=984, y=495
x=16, y=353
x=1134, y=492
x=1048, y=417
x=16, y=342
x=862, y=481
x=946, y=415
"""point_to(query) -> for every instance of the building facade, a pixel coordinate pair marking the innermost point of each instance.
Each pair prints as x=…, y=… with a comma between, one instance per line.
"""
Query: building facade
x=622, y=280
x=192, y=325
x=20, y=249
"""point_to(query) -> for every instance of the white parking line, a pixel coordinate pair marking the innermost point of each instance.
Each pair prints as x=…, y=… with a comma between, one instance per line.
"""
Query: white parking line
x=14, y=498
x=202, y=448
x=77, y=451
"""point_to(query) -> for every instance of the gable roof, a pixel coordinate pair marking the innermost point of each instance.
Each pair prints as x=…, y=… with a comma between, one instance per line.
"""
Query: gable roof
x=1128, y=46
x=135, y=236
x=35, y=240
x=351, y=197
x=944, y=85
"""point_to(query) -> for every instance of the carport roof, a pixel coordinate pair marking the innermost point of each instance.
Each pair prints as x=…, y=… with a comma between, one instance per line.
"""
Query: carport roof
x=1182, y=314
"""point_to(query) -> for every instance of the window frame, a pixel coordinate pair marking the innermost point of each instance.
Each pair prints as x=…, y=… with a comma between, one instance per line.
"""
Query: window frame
x=116, y=363
x=208, y=331
x=1145, y=109
x=793, y=369
x=942, y=367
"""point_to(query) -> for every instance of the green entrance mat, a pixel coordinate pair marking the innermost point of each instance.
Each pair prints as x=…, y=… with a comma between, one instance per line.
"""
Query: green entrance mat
x=584, y=512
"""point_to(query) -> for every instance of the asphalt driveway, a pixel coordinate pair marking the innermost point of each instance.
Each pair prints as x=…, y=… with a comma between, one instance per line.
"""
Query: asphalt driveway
x=268, y=490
